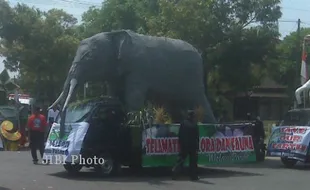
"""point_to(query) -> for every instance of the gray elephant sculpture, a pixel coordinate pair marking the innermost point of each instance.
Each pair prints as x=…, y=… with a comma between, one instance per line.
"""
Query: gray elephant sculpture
x=140, y=68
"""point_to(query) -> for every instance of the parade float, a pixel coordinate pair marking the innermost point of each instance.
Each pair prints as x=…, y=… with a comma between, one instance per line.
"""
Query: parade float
x=170, y=76
x=291, y=139
x=138, y=139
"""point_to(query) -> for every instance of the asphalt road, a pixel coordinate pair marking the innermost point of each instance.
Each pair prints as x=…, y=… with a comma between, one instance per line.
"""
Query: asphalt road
x=18, y=173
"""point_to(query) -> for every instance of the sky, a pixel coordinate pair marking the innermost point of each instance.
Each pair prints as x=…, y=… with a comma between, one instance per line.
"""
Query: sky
x=292, y=10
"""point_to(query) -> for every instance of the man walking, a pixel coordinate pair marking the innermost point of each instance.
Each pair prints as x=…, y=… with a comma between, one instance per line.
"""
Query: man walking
x=36, y=130
x=189, y=145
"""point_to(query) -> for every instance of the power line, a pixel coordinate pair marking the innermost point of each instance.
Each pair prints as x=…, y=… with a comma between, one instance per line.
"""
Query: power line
x=296, y=9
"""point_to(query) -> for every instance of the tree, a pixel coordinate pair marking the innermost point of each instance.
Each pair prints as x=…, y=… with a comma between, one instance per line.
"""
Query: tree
x=40, y=45
x=285, y=68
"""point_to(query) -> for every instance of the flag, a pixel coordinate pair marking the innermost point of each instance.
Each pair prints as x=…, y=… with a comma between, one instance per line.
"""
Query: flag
x=304, y=68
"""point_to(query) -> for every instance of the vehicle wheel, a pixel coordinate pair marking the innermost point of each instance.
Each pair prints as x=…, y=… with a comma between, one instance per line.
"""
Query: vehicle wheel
x=289, y=163
x=72, y=168
x=108, y=168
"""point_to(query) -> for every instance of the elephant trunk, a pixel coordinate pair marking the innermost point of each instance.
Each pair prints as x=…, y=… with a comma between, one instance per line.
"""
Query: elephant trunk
x=73, y=84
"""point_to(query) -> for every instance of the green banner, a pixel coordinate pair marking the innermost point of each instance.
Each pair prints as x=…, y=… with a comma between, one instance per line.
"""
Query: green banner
x=217, y=145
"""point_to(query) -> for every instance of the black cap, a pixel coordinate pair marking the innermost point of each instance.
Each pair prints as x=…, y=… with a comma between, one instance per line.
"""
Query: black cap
x=37, y=109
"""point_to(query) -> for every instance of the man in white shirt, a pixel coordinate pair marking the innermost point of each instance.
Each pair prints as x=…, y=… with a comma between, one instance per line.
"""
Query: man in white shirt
x=51, y=118
x=52, y=114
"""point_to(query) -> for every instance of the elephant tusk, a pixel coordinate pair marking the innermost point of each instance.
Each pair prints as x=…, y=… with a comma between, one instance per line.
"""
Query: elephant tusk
x=73, y=84
x=57, y=101
x=300, y=90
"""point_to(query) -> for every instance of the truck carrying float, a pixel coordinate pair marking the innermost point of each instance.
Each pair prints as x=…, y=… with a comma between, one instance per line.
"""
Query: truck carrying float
x=132, y=140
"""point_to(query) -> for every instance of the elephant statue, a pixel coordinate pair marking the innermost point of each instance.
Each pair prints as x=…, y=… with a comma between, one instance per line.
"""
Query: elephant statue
x=140, y=68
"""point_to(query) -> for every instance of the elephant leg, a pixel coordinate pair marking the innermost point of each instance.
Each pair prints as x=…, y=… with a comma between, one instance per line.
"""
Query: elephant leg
x=208, y=113
x=135, y=95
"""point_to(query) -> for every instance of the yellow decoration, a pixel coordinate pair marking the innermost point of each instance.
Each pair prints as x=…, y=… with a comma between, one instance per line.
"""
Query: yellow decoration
x=7, y=125
x=161, y=117
x=6, y=128
x=199, y=111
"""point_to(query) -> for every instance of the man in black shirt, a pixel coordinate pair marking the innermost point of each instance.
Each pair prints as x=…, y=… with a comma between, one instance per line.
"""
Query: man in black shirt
x=189, y=145
x=259, y=131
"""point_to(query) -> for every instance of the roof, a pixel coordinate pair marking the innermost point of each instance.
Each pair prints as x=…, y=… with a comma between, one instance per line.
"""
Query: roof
x=300, y=110
x=263, y=95
x=267, y=82
x=268, y=95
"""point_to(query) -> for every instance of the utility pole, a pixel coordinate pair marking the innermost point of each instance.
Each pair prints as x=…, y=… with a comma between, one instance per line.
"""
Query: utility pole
x=298, y=53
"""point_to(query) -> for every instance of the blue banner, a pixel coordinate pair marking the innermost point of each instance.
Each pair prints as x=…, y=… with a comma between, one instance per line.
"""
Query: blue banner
x=289, y=141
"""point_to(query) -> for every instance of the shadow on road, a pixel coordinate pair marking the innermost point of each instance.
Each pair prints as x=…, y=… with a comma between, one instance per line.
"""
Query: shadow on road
x=4, y=188
x=268, y=164
x=155, y=176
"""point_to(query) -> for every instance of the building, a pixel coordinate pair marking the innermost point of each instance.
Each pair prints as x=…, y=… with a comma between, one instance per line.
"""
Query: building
x=268, y=100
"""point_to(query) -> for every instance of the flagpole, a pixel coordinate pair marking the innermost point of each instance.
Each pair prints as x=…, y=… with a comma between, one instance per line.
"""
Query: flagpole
x=304, y=60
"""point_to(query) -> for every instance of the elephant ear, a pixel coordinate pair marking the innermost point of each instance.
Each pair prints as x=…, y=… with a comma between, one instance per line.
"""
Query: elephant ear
x=122, y=41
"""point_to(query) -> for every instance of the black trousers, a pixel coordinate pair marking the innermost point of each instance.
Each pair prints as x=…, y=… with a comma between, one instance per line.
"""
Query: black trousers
x=36, y=143
x=193, y=159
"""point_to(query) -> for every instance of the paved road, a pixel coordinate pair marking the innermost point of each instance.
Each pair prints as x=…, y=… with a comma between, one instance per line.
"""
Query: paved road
x=18, y=173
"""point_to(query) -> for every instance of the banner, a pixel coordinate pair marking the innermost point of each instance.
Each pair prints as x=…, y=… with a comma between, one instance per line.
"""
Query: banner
x=217, y=144
x=67, y=147
x=288, y=141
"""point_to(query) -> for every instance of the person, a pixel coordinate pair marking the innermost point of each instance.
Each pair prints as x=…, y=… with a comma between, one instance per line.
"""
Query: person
x=258, y=138
x=51, y=118
x=51, y=115
x=36, y=130
x=189, y=145
x=258, y=131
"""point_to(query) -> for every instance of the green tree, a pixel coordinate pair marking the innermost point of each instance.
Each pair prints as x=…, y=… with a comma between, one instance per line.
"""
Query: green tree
x=285, y=68
x=40, y=45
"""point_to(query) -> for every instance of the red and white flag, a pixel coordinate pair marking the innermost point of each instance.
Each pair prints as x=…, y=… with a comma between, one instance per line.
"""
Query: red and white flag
x=304, y=68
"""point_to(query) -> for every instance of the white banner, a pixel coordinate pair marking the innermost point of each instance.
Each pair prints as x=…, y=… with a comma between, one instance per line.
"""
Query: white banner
x=69, y=146
x=289, y=141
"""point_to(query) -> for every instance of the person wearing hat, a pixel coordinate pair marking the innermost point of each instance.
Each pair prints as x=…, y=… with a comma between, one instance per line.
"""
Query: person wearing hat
x=36, y=126
x=189, y=145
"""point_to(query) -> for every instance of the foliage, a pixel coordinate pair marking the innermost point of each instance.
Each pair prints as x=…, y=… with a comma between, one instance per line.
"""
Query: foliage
x=140, y=118
x=161, y=116
x=6, y=82
x=288, y=60
x=40, y=45
x=199, y=112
